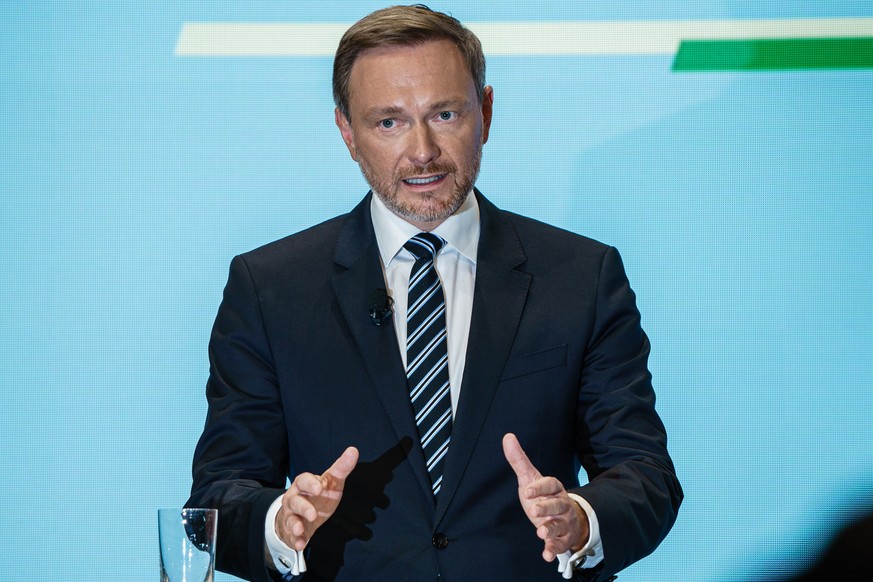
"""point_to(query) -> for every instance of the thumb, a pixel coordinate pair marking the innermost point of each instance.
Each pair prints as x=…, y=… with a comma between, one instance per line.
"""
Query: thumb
x=344, y=464
x=524, y=469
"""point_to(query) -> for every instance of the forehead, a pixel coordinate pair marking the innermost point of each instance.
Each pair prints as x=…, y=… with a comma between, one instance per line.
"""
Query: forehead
x=433, y=69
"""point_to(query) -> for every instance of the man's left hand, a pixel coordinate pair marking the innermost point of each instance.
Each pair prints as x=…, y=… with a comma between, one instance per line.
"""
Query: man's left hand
x=560, y=522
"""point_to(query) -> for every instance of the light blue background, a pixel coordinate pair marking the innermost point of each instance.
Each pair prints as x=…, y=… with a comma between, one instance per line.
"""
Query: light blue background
x=742, y=204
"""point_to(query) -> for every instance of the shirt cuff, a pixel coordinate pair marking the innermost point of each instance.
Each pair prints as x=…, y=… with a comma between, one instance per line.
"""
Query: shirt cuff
x=591, y=553
x=284, y=558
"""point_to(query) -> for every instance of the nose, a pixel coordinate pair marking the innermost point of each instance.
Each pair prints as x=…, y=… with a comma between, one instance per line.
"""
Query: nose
x=423, y=148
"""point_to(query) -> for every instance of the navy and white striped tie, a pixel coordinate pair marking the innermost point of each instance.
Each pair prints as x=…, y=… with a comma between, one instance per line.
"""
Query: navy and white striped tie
x=427, y=359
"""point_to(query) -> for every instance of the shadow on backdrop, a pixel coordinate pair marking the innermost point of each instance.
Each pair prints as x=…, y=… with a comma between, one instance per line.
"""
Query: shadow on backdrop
x=848, y=553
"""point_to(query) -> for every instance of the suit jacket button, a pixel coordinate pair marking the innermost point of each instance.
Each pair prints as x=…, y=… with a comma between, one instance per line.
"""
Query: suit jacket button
x=440, y=541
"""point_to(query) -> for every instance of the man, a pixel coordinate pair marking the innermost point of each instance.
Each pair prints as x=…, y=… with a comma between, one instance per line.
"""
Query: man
x=429, y=371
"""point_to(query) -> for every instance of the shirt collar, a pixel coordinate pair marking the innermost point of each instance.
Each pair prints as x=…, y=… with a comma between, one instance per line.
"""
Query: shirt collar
x=460, y=230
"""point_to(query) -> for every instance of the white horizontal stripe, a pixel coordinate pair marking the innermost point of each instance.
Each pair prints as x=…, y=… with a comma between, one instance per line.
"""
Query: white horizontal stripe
x=261, y=39
x=320, y=39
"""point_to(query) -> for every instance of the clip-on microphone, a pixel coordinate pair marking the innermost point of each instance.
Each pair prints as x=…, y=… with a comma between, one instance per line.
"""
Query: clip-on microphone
x=380, y=306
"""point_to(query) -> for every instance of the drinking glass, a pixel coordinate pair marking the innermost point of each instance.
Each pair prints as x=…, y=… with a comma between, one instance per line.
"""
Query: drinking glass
x=187, y=540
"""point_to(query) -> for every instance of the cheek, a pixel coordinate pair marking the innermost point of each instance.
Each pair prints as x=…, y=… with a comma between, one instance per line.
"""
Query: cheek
x=464, y=146
x=380, y=156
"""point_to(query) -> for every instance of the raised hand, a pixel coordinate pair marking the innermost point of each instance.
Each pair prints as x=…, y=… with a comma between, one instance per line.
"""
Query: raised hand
x=312, y=499
x=559, y=521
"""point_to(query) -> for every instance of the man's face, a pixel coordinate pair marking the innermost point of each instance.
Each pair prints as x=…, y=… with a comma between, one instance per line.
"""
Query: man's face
x=416, y=128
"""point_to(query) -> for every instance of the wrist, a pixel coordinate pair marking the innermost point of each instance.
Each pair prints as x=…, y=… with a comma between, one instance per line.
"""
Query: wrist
x=583, y=529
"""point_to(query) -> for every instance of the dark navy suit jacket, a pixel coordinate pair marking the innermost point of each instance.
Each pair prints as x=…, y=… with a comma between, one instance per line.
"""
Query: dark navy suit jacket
x=556, y=355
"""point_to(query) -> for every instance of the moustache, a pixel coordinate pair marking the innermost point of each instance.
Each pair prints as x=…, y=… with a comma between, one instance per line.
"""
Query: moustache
x=430, y=169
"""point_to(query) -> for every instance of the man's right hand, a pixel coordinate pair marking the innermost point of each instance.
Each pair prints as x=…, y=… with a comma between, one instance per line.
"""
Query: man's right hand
x=311, y=501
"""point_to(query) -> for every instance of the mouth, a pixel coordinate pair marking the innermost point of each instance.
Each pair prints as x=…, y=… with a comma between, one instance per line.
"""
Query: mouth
x=424, y=180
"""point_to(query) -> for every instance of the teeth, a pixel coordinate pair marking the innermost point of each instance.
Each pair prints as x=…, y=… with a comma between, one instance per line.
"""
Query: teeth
x=419, y=181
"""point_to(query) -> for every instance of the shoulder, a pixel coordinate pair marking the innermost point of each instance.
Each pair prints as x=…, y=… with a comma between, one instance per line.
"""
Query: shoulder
x=341, y=240
x=534, y=236
x=546, y=243
x=532, y=230
x=298, y=265
x=309, y=245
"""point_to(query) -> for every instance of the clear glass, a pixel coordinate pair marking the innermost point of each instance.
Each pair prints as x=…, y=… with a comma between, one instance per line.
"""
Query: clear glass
x=187, y=540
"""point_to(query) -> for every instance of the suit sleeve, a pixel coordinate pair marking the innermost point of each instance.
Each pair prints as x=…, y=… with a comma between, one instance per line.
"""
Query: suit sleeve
x=621, y=440
x=241, y=461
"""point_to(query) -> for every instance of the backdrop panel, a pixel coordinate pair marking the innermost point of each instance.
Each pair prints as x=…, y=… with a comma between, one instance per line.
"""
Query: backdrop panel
x=139, y=153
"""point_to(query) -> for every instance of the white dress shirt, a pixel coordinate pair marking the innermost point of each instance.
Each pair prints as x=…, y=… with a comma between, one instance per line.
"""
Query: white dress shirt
x=456, y=266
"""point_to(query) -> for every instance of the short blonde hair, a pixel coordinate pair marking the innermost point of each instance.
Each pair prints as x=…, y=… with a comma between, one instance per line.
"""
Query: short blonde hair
x=403, y=26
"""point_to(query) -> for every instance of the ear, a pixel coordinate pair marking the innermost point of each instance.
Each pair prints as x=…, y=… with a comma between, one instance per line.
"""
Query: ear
x=487, y=109
x=345, y=128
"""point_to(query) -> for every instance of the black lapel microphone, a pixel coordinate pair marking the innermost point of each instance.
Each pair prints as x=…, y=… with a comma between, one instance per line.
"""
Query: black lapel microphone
x=380, y=306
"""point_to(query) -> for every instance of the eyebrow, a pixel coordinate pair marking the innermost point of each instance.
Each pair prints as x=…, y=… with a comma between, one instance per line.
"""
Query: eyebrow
x=390, y=111
x=382, y=112
x=455, y=103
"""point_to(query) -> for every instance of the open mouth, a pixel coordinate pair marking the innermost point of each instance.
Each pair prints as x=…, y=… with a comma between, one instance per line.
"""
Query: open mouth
x=424, y=181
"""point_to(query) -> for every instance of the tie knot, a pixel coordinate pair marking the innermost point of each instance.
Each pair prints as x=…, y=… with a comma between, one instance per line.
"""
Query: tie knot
x=424, y=245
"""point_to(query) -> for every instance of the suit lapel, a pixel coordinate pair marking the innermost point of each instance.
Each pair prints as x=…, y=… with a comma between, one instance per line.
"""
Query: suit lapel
x=498, y=301
x=358, y=252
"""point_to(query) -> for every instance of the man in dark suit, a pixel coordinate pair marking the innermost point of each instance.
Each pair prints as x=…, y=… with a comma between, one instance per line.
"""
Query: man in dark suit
x=429, y=371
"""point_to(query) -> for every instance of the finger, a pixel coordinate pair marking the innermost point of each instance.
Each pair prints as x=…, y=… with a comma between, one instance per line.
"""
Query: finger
x=297, y=538
x=553, y=507
x=299, y=505
x=555, y=547
x=552, y=530
x=291, y=530
x=344, y=464
x=308, y=484
x=544, y=487
x=524, y=469
x=550, y=554
x=294, y=526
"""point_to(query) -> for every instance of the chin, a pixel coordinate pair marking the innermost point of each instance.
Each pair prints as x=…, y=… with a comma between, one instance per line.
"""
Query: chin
x=434, y=209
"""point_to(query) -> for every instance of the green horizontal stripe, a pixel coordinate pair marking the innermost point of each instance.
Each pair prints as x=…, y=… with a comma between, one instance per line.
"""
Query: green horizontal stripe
x=774, y=54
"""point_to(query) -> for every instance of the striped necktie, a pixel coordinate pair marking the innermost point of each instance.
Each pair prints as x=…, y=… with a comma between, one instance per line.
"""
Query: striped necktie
x=427, y=359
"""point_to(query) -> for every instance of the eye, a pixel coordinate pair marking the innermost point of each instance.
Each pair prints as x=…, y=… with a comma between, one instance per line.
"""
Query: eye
x=387, y=123
x=446, y=115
